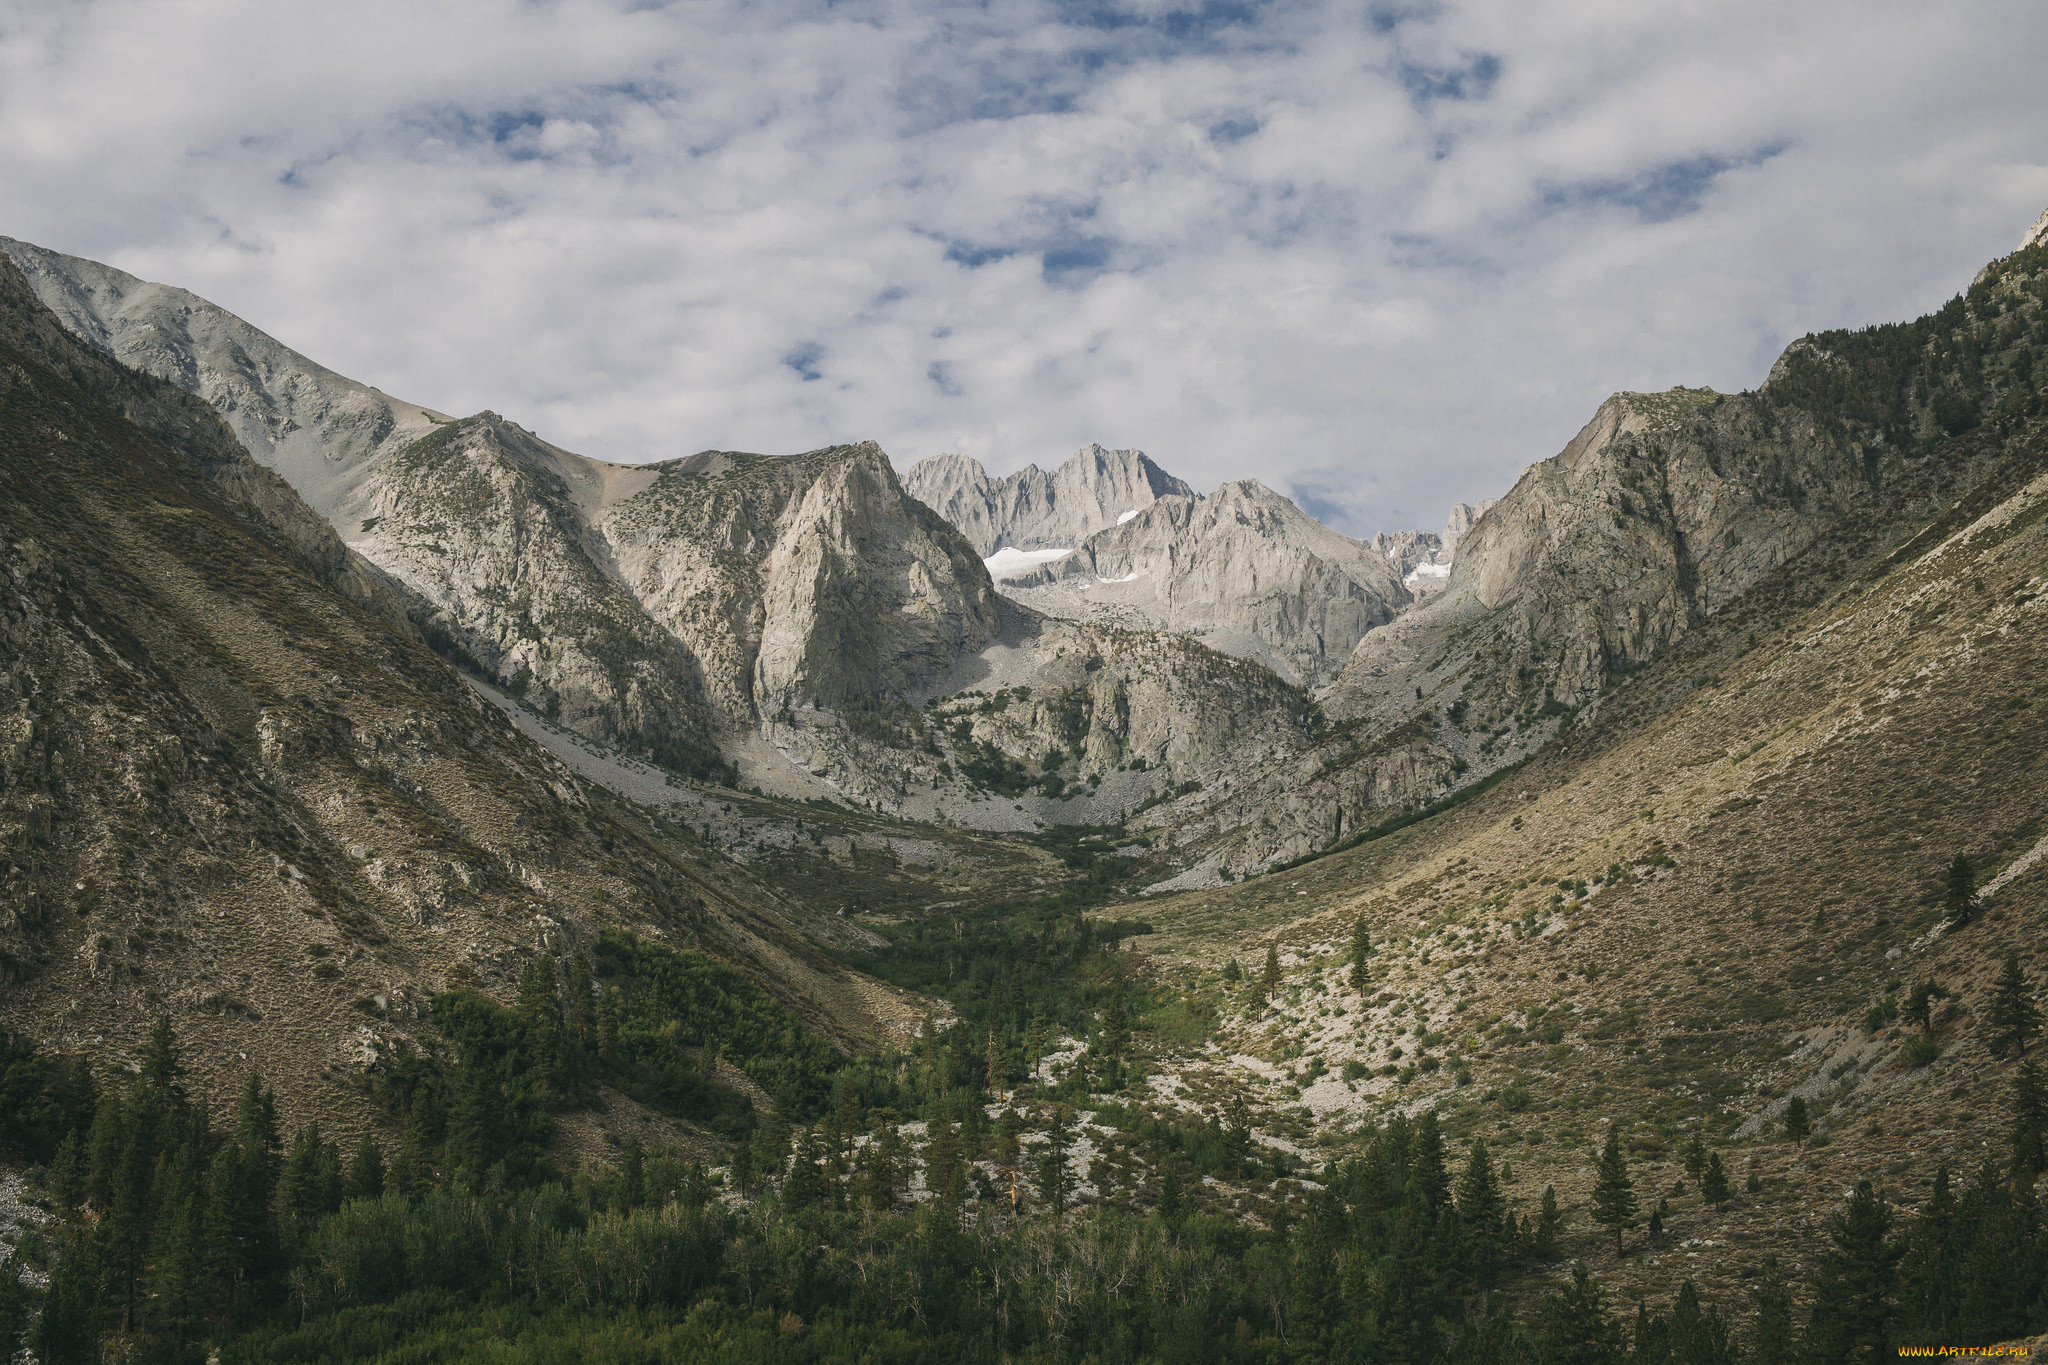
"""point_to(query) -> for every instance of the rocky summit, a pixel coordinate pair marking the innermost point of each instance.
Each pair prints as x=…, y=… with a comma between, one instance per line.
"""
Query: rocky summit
x=463, y=900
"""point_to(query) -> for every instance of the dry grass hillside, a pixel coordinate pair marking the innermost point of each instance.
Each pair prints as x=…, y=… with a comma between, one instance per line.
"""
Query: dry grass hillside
x=1678, y=913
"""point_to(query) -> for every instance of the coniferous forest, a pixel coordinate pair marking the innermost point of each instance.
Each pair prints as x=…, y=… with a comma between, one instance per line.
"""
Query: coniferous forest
x=913, y=1206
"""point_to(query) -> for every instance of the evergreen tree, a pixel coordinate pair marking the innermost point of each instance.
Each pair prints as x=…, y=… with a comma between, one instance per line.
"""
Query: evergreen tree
x=1171, y=1203
x=177, y=1270
x=1575, y=1326
x=311, y=1184
x=1614, y=1198
x=1232, y=973
x=1798, y=1126
x=1361, y=954
x=163, y=1072
x=1237, y=1134
x=1549, y=1227
x=1429, y=1168
x=1116, y=1023
x=1770, y=1337
x=1931, y=1289
x=68, y=1331
x=1657, y=1223
x=1482, y=1215
x=539, y=1015
x=366, y=1169
x=1269, y=977
x=2014, y=1018
x=1055, y=1179
x=13, y=1306
x=1920, y=1004
x=1714, y=1184
x=1699, y=1336
x=1855, y=1285
x=1696, y=1159
x=1959, y=893
x=2029, y=1141
x=412, y=1171
x=66, y=1183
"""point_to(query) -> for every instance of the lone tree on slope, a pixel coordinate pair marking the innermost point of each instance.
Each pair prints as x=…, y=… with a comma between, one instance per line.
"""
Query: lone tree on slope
x=1614, y=1194
x=1269, y=980
x=1798, y=1126
x=1714, y=1184
x=1920, y=1004
x=1361, y=949
x=2014, y=1017
x=1959, y=898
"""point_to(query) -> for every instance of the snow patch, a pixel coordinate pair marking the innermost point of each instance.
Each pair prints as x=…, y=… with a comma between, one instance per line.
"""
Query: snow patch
x=1126, y=516
x=1125, y=579
x=1010, y=560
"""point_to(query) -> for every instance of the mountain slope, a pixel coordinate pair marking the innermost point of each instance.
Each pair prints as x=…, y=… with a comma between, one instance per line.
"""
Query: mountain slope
x=232, y=795
x=1664, y=513
x=663, y=609
x=1699, y=900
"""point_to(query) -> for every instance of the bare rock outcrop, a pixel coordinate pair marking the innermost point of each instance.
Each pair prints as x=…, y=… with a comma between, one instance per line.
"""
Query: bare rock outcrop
x=1034, y=510
x=1243, y=570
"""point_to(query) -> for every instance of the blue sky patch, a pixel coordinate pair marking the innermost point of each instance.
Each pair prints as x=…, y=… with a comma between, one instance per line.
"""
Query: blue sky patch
x=804, y=360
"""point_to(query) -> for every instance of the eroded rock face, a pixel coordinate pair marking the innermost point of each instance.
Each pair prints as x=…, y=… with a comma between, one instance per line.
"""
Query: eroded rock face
x=1034, y=510
x=1243, y=570
x=1661, y=510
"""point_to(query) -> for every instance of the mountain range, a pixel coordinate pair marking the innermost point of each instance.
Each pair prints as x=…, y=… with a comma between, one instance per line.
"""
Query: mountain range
x=1692, y=777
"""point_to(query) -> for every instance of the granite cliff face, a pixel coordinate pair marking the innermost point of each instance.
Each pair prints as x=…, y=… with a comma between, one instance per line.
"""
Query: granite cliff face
x=1243, y=570
x=662, y=609
x=1034, y=510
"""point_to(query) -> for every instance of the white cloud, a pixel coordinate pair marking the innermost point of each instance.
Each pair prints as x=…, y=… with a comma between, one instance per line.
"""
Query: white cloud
x=1383, y=264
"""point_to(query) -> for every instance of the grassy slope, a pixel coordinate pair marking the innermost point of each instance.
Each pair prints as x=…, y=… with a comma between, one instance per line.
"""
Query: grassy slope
x=1783, y=792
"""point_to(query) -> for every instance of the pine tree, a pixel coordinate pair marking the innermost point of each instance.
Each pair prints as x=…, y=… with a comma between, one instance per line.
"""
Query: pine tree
x=539, y=1014
x=1920, y=1004
x=1575, y=1325
x=1237, y=1134
x=1116, y=1023
x=1361, y=953
x=1055, y=1179
x=66, y=1183
x=1696, y=1159
x=2029, y=1142
x=1770, y=1337
x=1959, y=894
x=1549, y=1227
x=1714, y=1184
x=1269, y=978
x=366, y=1169
x=1233, y=973
x=1855, y=1284
x=1798, y=1126
x=13, y=1306
x=1428, y=1165
x=2013, y=1016
x=1614, y=1199
x=1171, y=1204
x=1657, y=1223
x=1482, y=1213
x=412, y=1171
x=163, y=1072
x=177, y=1271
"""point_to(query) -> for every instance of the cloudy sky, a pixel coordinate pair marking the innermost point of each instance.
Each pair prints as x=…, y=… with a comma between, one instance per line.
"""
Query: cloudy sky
x=1380, y=256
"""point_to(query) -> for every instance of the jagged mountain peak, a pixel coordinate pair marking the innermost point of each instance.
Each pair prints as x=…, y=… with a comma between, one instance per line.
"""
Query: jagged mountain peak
x=1036, y=510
